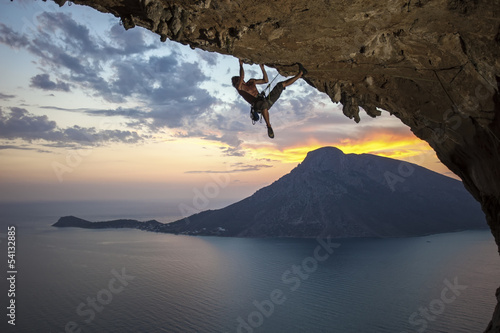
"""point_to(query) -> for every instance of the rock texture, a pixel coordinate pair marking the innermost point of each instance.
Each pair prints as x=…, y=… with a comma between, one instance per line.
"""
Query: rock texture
x=433, y=64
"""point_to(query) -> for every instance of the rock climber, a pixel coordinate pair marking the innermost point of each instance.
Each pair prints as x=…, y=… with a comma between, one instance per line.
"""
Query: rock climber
x=259, y=101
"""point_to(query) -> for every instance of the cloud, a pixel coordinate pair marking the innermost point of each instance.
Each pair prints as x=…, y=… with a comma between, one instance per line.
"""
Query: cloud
x=60, y=29
x=238, y=168
x=92, y=136
x=11, y=38
x=210, y=57
x=129, y=42
x=169, y=88
x=21, y=147
x=6, y=97
x=3, y=147
x=233, y=142
x=20, y=124
x=117, y=68
x=69, y=51
x=124, y=112
x=42, y=81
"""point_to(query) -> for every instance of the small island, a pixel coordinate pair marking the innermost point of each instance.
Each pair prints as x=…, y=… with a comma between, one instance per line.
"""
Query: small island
x=151, y=225
x=76, y=222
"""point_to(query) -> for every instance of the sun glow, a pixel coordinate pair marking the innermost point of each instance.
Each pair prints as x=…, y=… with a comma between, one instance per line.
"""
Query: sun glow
x=387, y=145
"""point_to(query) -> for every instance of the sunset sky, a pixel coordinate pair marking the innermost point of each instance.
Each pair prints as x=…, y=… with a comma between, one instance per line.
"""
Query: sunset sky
x=89, y=111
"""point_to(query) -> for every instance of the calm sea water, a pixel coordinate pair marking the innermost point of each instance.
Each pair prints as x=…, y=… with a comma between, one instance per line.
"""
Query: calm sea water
x=76, y=280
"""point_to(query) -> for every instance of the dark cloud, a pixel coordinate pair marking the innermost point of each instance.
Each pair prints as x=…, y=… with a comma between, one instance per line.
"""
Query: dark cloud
x=75, y=36
x=21, y=147
x=42, y=81
x=77, y=39
x=93, y=136
x=116, y=69
x=181, y=112
x=4, y=147
x=20, y=124
x=6, y=97
x=11, y=38
x=67, y=49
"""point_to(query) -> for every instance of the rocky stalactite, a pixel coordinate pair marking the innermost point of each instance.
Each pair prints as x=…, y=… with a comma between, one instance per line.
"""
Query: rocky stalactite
x=433, y=64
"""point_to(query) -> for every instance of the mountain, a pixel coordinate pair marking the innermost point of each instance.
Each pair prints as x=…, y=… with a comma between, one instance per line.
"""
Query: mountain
x=345, y=195
x=333, y=194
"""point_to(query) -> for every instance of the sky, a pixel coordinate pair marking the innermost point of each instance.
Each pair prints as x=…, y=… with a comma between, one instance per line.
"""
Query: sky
x=89, y=111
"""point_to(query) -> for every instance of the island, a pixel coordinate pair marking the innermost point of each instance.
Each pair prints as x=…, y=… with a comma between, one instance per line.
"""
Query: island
x=151, y=225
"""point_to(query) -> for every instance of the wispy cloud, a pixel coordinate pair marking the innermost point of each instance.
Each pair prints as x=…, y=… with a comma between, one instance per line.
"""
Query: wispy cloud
x=133, y=113
x=6, y=97
x=18, y=123
x=23, y=147
x=235, y=169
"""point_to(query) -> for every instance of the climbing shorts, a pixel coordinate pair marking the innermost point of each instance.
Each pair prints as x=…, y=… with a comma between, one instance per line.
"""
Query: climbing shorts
x=265, y=102
x=275, y=93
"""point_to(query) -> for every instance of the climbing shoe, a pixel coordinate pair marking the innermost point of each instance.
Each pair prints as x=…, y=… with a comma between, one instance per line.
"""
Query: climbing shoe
x=302, y=69
x=270, y=132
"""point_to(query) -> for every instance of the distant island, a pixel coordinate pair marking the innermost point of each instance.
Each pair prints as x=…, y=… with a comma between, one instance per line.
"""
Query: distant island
x=73, y=221
x=151, y=225
x=333, y=194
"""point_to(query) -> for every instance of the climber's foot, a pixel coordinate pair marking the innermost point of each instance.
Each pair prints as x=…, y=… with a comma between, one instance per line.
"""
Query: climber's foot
x=270, y=132
x=302, y=69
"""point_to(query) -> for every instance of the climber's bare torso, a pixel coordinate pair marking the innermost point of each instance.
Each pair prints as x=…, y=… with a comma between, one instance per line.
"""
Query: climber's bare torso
x=248, y=90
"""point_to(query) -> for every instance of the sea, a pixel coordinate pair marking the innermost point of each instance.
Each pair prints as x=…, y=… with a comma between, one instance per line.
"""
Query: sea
x=120, y=280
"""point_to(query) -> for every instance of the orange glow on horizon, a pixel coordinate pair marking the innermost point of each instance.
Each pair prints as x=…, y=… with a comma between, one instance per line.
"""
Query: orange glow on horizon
x=383, y=144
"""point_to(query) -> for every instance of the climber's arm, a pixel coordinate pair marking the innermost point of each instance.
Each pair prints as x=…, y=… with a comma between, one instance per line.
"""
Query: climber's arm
x=264, y=76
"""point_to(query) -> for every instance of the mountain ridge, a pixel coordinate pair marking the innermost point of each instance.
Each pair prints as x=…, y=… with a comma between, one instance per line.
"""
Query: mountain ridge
x=316, y=198
x=343, y=195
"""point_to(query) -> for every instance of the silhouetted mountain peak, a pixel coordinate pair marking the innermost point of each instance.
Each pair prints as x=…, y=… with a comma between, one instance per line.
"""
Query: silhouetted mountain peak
x=346, y=195
x=326, y=158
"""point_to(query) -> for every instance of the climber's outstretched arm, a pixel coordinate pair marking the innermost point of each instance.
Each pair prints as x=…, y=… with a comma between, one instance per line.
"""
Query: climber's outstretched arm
x=264, y=76
x=242, y=71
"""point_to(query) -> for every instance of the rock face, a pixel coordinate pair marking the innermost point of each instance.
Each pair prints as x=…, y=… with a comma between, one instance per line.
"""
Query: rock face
x=331, y=194
x=433, y=64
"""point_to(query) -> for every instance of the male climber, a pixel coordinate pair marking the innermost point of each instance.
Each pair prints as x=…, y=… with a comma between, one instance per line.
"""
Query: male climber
x=259, y=102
